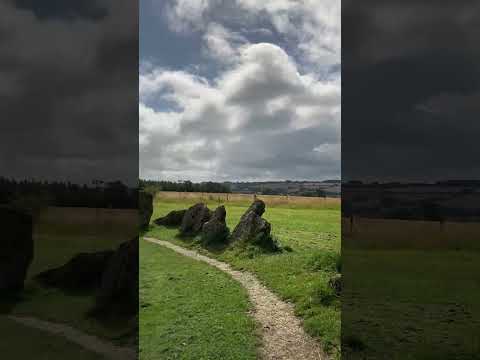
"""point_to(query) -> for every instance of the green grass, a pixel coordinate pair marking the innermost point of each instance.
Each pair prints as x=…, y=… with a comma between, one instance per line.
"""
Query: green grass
x=310, y=232
x=190, y=310
x=22, y=342
x=57, y=239
x=412, y=304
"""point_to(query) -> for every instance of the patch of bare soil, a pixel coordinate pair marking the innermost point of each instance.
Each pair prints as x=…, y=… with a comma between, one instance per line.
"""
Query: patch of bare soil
x=283, y=337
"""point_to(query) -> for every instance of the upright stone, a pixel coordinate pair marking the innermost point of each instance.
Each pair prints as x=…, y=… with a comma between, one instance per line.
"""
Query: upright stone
x=118, y=293
x=215, y=231
x=16, y=249
x=253, y=229
x=194, y=218
x=145, y=208
x=258, y=207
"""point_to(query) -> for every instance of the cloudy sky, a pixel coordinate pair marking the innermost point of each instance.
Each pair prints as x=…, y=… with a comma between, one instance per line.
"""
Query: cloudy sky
x=239, y=89
x=411, y=94
x=68, y=90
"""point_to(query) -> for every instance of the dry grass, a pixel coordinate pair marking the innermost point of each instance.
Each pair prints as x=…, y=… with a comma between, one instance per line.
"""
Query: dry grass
x=90, y=223
x=242, y=199
x=412, y=234
x=89, y=216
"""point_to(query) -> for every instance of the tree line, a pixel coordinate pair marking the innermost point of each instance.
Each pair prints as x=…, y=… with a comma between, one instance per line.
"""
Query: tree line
x=154, y=186
x=98, y=194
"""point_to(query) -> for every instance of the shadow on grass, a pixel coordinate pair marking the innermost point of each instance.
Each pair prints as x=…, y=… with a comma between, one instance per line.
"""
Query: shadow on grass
x=219, y=248
x=194, y=241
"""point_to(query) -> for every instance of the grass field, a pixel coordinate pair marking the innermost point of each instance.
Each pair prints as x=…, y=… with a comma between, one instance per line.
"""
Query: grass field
x=246, y=199
x=300, y=276
x=22, y=342
x=59, y=234
x=416, y=290
x=425, y=301
x=190, y=310
x=409, y=234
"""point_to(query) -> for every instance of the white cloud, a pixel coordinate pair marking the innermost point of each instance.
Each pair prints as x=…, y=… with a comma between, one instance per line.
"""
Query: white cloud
x=260, y=117
x=313, y=25
x=184, y=15
x=222, y=44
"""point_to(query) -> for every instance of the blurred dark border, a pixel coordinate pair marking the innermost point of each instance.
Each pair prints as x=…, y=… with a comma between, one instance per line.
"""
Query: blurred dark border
x=410, y=179
x=68, y=176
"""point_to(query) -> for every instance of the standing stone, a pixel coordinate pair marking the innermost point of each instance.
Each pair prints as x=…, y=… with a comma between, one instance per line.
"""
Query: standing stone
x=173, y=218
x=215, y=231
x=16, y=249
x=118, y=293
x=258, y=207
x=145, y=208
x=253, y=229
x=194, y=218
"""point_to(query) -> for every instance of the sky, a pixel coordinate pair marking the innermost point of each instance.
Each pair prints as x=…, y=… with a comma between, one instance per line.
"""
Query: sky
x=69, y=90
x=411, y=93
x=239, y=90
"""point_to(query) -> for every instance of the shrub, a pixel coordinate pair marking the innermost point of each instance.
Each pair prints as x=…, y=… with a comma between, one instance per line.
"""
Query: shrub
x=323, y=295
x=326, y=261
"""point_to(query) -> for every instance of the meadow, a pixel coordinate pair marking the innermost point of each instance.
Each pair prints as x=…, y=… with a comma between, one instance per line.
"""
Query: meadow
x=41, y=346
x=309, y=229
x=246, y=199
x=201, y=312
x=59, y=234
x=415, y=288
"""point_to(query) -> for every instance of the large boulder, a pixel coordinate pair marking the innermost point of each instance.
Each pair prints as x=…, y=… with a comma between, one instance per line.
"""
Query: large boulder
x=173, y=218
x=83, y=272
x=16, y=249
x=194, y=218
x=118, y=292
x=215, y=231
x=253, y=229
x=145, y=208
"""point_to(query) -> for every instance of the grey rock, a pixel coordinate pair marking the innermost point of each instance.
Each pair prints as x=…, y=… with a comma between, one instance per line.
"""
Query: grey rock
x=253, y=229
x=16, y=249
x=215, y=231
x=258, y=207
x=194, y=218
x=145, y=208
x=118, y=292
x=84, y=271
x=173, y=218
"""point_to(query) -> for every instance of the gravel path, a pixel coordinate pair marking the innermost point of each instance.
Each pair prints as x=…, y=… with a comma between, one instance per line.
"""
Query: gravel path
x=88, y=342
x=283, y=337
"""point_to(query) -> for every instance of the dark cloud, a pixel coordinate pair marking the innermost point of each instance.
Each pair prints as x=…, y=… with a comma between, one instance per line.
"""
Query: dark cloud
x=59, y=9
x=70, y=90
x=399, y=59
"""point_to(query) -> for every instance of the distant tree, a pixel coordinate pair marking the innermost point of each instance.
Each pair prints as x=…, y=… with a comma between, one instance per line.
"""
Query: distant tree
x=185, y=186
x=321, y=193
x=32, y=193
